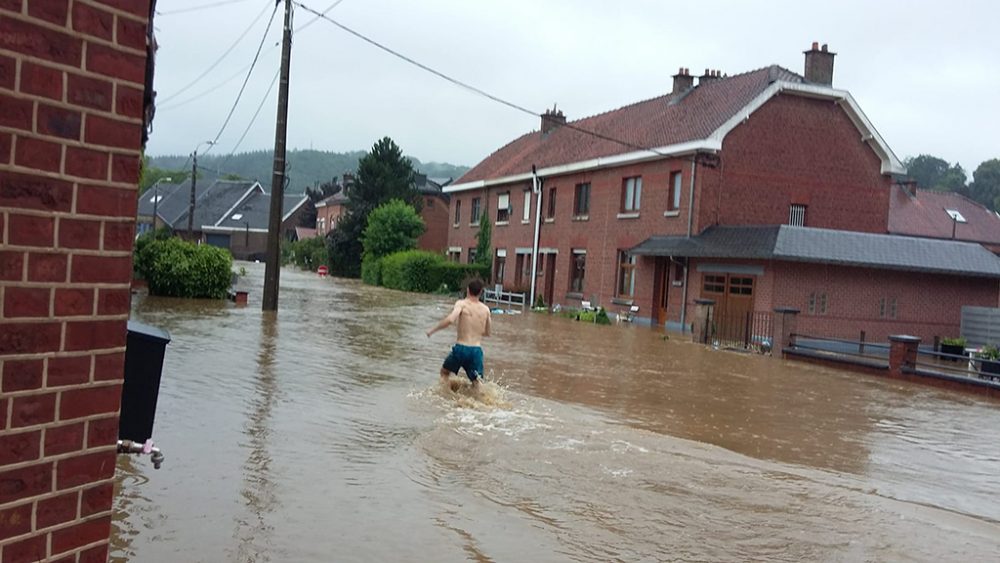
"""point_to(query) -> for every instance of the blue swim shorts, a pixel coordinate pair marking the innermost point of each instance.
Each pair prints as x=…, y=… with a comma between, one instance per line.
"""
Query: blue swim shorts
x=469, y=358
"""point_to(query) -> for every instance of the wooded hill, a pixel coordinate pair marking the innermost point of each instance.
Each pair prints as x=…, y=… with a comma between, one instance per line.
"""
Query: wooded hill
x=305, y=167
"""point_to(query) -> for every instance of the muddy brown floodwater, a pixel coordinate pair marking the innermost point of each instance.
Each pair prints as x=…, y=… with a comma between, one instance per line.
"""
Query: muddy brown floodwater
x=321, y=436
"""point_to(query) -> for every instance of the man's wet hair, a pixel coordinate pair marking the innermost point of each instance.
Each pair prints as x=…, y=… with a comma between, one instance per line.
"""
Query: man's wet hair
x=475, y=286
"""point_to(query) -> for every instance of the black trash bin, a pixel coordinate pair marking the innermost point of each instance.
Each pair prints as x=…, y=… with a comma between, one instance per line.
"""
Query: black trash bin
x=144, y=351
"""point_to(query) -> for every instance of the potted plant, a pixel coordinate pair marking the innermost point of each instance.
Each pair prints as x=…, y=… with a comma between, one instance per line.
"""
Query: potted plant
x=989, y=361
x=955, y=346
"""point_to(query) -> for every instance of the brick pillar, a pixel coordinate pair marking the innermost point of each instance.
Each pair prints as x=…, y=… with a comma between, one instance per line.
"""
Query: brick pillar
x=703, y=314
x=902, y=354
x=72, y=76
x=784, y=330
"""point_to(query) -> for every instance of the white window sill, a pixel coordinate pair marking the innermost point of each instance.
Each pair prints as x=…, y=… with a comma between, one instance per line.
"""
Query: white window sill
x=674, y=213
x=629, y=215
x=581, y=218
x=525, y=221
x=456, y=225
x=550, y=220
x=476, y=224
x=502, y=223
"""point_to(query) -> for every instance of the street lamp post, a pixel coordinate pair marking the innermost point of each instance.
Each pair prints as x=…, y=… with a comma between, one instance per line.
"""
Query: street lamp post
x=156, y=197
x=194, y=181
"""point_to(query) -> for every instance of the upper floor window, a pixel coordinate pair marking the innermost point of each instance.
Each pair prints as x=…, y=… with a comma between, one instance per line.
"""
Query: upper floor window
x=474, y=217
x=631, y=194
x=458, y=211
x=674, y=197
x=503, y=207
x=551, y=213
x=526, y=212
x=581, y=200
x=797, y=215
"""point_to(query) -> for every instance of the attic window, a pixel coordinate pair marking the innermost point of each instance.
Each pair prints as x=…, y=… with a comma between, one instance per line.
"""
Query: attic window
x=237, y=216
x=156, y=198
x=955, y=216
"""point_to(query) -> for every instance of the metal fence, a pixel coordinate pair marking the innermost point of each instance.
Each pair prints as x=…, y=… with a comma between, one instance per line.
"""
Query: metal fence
x=745, y=331
x=507, y=299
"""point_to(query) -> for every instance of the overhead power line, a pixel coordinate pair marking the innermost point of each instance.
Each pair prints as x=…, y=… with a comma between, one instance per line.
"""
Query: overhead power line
x=470, y=87
x=197, y=8
x=239, y=72
x=252, y=119
x=211, y=67
x=245, y=80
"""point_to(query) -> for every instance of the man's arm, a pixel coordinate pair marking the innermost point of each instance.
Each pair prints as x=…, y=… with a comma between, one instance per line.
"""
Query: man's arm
x=451, y=318
x=489, y=322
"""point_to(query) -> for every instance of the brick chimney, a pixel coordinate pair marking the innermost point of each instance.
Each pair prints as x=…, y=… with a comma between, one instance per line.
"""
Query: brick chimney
x=683, y=81
x=551, y=120
x=709, y=76
x=819, y=65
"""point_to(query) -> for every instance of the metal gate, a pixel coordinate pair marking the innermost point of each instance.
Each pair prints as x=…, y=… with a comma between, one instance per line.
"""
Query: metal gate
x=744, y=330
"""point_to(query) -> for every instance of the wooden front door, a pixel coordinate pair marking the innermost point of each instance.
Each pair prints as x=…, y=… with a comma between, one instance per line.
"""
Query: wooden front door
x=733, y=295
x=550, y=277
x=663, y=296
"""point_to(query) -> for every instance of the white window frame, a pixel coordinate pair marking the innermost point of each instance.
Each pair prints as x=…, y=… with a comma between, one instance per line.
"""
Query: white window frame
x=526, y=212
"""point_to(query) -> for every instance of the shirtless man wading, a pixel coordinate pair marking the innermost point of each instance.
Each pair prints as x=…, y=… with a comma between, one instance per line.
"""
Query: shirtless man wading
x=473, y=318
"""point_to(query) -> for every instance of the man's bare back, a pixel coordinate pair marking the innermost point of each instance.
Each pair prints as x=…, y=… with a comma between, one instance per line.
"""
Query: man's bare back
x=472, y=320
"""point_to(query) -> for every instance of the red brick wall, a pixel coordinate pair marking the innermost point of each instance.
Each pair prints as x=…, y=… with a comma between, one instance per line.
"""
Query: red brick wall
x=928, y=305
x=329, y=214
x=71, y=83
x=796, y=150
x=436, y=219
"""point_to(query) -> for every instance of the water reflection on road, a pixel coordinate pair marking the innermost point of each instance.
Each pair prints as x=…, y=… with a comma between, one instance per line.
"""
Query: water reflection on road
x=319, y=435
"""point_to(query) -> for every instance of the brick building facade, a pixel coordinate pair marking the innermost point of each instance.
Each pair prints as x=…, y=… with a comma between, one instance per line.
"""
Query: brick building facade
x=73, y=75
x=766, y=147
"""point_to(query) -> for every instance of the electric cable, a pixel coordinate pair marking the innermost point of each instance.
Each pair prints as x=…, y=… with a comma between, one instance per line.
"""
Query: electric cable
x=239, y=95
x=211, y=67
x=470, y=87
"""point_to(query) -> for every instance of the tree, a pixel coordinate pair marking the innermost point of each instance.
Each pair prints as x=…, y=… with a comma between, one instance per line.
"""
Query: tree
x=985, y=186
x=149, y=175
x=344, y=246
x=484, y=250
x=936, y=173
x=392, y=227
x=383, y=174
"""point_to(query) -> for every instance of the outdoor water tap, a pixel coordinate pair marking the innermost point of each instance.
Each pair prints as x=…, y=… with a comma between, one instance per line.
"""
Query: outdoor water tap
x=130, y=447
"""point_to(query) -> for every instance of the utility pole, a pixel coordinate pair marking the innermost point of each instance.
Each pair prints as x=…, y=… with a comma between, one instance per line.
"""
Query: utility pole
x=194, y=181
x=272, y=267
x=156, y=197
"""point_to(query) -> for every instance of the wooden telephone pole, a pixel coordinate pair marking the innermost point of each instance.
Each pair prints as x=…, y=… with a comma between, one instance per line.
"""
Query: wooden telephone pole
x=272, y=268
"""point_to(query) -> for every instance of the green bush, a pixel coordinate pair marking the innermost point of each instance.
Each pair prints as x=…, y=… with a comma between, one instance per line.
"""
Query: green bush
x=418, y=270
x=175, y=268
x=371, y=270
x=602, y=317
x=163, y=233
x=392, y=227
x=308, y=254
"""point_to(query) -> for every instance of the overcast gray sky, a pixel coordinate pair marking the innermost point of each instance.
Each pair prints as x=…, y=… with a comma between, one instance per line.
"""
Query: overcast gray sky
x=927, y=74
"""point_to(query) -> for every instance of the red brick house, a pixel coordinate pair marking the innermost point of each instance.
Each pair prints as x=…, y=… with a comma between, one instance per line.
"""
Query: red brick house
x=75, y=98
x=942, y=215
x=630, y=200
x=434, y=212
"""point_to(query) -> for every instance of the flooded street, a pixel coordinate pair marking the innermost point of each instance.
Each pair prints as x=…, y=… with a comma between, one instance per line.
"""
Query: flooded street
x=322, y=436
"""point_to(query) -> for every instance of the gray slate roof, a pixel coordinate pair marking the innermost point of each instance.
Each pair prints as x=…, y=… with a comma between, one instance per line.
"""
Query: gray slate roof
x=254, y=211
x=165, y=191
x=213, y=203
x=826, y=246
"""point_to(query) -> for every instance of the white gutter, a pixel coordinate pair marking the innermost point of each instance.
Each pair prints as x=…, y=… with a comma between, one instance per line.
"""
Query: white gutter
x=538, y=221
x=713, y=143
